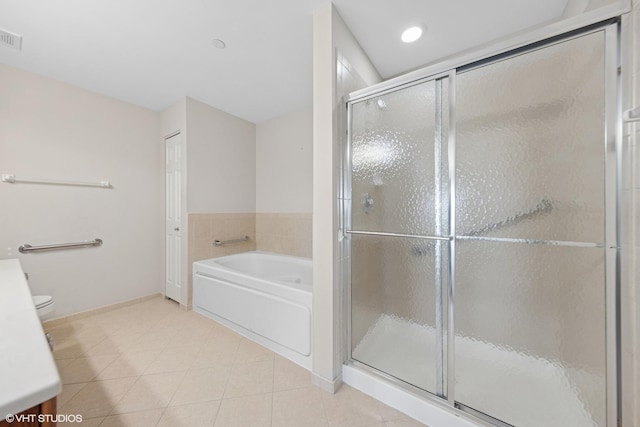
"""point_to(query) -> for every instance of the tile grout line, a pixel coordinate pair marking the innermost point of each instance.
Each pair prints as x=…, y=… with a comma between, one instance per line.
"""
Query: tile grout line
x=111, y=413
x=172, y=396
x=122, y=397
x=69, y=400
x=324, y=409
x=226, y=384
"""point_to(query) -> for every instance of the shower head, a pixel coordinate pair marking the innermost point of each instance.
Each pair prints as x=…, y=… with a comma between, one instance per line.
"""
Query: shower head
x=380, y=103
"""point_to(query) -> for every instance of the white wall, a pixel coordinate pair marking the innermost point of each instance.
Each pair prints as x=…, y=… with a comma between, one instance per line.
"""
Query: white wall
x=49, y=129
x=174, y=118
x=330, y=35
x=284, y=163
x=221, y=152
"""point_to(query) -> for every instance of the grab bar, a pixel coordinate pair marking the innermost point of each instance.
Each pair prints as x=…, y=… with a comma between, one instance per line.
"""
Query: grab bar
x=28, y=248
x=545, y=206
x=224, y=242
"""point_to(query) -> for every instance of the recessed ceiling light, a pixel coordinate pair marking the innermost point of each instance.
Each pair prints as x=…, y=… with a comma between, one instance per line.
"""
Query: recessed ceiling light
x=219, y=43
x=411, y=34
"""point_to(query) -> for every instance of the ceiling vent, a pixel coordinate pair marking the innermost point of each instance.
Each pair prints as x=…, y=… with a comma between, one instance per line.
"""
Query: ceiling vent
x=10, y=39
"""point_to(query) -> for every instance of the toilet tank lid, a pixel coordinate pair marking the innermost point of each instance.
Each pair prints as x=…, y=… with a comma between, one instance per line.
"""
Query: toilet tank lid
x=42, y=300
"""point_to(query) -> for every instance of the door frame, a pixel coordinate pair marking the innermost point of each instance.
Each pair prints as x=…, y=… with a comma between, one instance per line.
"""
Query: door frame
x=182, y=259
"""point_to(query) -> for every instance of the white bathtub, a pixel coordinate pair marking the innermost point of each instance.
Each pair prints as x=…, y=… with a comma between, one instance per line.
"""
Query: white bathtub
x=263, y=296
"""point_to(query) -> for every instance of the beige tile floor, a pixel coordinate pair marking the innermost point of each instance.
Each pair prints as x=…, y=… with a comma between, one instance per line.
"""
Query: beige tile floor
x=152, y=364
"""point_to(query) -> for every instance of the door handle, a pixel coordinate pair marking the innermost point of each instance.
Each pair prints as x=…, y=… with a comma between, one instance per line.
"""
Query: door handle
x=176, y=229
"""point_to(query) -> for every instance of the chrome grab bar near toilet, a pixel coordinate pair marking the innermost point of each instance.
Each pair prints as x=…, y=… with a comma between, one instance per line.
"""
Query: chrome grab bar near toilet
x=224, y=242
x=28, y=248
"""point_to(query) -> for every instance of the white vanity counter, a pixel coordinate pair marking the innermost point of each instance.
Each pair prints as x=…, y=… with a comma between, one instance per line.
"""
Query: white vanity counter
x=28, y=373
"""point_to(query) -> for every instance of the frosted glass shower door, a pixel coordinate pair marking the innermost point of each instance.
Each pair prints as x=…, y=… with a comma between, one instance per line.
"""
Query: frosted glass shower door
x=530, y=294
x=398, y=232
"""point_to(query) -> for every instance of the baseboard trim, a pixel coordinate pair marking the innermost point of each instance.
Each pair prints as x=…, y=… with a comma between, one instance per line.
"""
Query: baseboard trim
x=330, y=386
x=77, y=316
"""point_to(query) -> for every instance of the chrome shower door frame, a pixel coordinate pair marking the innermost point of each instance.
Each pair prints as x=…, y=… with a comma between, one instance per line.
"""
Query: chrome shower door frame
x=613, y=199
x=612, y=146
x=346, y=231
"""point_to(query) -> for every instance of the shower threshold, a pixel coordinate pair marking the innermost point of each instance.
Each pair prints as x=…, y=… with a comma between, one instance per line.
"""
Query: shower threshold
x=520, y=384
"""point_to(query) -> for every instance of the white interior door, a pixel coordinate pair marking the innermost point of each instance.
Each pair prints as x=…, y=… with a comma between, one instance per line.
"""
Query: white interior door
x=173, y=213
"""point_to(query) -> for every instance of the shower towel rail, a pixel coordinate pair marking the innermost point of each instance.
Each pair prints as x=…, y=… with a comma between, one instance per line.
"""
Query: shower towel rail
x=225, y=242
x=545, y=206
x=385, y=234
x=12, y=179
x=28, y=248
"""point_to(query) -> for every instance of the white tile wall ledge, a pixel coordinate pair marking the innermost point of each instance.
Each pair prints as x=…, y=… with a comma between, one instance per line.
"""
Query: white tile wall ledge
x=28, y=373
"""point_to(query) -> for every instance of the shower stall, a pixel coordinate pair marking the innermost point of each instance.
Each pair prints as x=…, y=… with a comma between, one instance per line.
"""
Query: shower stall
x=480, y=223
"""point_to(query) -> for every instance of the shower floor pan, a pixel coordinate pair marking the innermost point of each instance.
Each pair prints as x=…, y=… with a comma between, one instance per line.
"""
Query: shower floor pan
x=540, y=395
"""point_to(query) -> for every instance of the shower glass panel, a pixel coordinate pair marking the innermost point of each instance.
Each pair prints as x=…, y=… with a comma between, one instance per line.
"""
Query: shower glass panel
x=393, y=303
x=530, y=333
x=530, y=153
x=530, y=344
x=397, y=167
x=399, y=210
x=480, y=216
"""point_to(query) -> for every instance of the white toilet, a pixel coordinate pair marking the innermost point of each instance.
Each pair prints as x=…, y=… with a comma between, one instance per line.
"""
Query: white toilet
x=44, y=305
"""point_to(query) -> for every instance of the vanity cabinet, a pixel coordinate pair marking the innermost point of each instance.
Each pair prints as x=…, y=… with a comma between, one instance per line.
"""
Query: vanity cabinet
x=42, y=415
